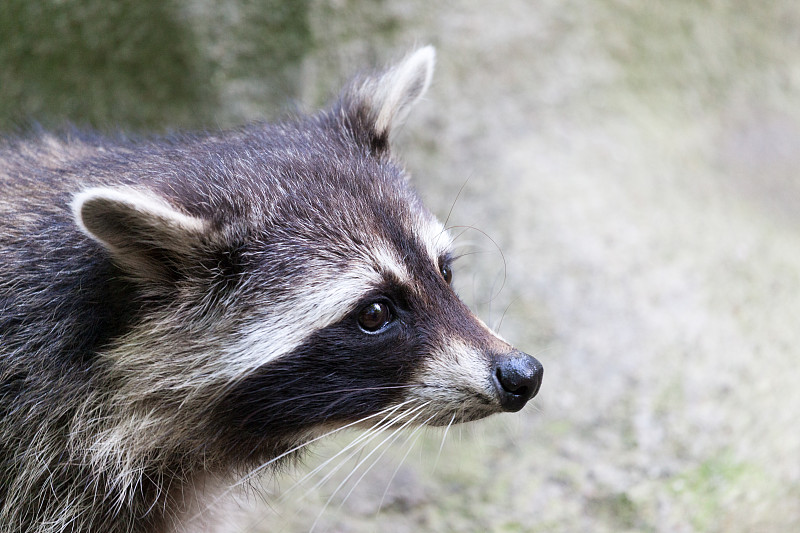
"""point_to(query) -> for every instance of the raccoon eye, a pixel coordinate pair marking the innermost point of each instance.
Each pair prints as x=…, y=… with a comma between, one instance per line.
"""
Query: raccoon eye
x=374, y=317
x=447, y=273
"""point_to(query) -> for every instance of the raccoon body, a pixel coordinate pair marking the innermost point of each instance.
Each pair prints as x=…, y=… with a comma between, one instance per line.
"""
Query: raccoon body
x=185, y=309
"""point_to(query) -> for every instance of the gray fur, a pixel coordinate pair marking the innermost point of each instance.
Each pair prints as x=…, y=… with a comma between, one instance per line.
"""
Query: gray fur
x=165, y=305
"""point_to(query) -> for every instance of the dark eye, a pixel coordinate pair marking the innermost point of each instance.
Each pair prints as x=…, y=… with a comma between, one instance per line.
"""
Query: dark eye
x=447, y=273
x=374, y=317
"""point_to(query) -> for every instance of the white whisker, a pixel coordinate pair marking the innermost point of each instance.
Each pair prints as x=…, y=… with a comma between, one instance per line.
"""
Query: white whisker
x=336, y=490
x=438, y=455
x=393, y=436
x=361, y=441
x=254, y=472
x=418, y=433
x=250, y=475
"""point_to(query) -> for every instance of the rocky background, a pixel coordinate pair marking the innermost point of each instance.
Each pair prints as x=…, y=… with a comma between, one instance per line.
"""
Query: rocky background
x=629, y=209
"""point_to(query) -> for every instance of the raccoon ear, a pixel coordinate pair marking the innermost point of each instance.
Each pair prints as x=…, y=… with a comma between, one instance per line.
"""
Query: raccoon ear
x=147, y=237
x=379, y=104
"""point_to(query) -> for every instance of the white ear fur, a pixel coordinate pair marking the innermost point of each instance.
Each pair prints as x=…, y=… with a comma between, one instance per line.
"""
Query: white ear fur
x=94, y=207
x=137, y=227
x=389, y=97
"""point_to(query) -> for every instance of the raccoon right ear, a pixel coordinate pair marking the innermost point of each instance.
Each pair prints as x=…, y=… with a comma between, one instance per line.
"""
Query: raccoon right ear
x=147, y=237
x=377, y=105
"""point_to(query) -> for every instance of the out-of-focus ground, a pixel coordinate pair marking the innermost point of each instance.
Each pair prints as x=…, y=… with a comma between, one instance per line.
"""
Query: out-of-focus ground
x=635, y=162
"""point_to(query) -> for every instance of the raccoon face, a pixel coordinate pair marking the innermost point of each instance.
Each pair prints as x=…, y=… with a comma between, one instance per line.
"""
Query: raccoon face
x=310, y=289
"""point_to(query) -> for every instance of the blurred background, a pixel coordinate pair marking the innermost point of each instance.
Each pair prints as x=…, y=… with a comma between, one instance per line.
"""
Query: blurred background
x=630, y=172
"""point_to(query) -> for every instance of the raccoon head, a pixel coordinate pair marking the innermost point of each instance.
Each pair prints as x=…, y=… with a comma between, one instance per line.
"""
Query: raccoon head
x=301, y=282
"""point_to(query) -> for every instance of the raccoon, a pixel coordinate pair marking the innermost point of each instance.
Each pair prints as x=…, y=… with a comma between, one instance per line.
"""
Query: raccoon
x=184, y=309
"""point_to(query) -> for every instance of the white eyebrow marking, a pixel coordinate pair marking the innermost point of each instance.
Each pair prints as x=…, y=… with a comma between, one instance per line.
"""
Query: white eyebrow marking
x=387, y=259
x=314, y=305
x=435, y=237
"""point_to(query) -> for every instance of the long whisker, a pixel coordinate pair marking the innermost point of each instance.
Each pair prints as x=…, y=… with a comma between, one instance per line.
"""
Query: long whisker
x=473, y=252
x=336, y=490
x=393, y=436
x=500, y=322
x=462, y=232
x=340, y=395
x=361, y=441
x=502, y=255
x=357, y=446
x=374, y=432
x=418, y=433
x=370, y=433
x=444, y=437
x=250, y=475
x=337, y=392
x=450, y=212
x=458, y=195
x=315, y=439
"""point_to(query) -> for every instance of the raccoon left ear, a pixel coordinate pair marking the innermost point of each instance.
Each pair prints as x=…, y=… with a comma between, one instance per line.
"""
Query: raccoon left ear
x=147, y=237
x=379, y=104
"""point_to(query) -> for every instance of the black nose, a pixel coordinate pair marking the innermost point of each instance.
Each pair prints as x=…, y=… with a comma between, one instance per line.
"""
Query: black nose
x=517, y=378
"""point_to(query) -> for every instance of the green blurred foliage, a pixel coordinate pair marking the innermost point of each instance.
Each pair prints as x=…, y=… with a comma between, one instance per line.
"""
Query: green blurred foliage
x=141, y=64
x=101, y=63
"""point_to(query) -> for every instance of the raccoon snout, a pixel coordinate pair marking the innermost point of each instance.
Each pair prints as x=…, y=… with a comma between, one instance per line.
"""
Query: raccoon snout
x=517, y=377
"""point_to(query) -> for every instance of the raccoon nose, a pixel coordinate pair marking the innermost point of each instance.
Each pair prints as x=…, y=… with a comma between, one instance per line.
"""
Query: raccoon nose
x=517, y=378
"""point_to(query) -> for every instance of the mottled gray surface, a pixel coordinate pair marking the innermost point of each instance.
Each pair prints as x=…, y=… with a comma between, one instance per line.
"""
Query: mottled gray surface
x=636, y=165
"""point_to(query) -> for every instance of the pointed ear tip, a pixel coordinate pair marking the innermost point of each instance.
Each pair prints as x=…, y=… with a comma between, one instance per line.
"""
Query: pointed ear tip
x=425, y=54
x=423, y=59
